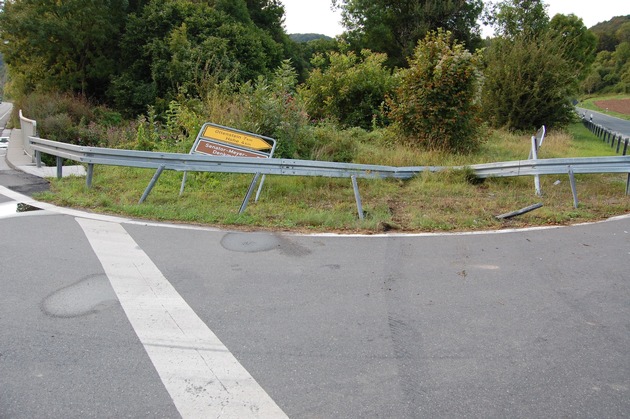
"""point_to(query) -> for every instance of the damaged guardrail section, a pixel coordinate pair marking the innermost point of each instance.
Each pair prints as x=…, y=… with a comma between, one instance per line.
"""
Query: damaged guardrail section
x=288, y=167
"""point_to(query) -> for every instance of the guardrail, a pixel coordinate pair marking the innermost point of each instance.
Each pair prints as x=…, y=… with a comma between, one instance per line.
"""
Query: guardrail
x=289, y=167
x=28, y=129
x=608, y=136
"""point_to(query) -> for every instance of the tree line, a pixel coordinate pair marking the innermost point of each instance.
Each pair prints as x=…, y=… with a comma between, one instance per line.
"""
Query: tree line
x=420, y=66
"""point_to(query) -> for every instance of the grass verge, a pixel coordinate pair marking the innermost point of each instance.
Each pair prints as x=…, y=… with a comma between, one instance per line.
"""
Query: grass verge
x=445, y=201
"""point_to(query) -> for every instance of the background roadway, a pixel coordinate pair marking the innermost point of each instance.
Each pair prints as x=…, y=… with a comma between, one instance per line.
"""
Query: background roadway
x=614, y=124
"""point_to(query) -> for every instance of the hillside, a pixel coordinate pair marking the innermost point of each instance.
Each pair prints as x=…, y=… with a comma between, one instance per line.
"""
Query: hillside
x=607, y=32
x=306, y=37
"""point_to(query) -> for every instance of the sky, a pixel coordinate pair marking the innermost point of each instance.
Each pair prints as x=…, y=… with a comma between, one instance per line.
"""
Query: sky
x=316, y=16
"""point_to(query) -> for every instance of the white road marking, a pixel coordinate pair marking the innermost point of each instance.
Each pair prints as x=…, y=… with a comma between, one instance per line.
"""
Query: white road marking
x=203, y=378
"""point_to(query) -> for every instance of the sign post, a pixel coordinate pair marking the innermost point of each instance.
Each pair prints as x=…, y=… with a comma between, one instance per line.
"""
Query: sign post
x=217, y=140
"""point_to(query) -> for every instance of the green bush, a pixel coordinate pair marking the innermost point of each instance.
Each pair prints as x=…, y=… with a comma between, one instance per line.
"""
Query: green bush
x=435, y=104
x=271, y=108
x=348, y=88
x=58, y=127
x=527, y=84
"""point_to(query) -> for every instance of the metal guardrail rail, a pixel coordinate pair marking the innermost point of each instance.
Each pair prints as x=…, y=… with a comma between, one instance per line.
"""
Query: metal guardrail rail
x=289, y=167
x=29, y=128
x=202, y=163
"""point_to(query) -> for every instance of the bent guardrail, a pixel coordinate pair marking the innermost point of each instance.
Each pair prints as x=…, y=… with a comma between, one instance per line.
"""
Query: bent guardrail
x=289, y=167
x=28, y=129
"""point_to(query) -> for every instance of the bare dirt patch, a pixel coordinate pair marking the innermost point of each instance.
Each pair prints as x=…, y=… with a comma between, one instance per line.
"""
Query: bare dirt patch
x=615, y=105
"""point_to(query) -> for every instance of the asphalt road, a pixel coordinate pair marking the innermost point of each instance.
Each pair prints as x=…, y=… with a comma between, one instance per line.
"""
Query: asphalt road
x=619, y=125
x=105, y=317
x=108, y=317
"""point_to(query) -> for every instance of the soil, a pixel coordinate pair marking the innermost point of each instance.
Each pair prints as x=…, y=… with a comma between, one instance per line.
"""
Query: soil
x=616, y=105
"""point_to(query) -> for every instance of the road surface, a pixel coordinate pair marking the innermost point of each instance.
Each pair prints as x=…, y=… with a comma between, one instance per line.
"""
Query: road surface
x=614, y=124
x=107, y=317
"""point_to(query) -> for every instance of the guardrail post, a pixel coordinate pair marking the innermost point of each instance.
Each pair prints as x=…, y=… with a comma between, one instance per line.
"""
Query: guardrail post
x=625, y=147
x=90, y=173
x=535, y=157
x=628, y=185
x=38, y=159
x=357, y=196
x=618, y=144
x=59, y=167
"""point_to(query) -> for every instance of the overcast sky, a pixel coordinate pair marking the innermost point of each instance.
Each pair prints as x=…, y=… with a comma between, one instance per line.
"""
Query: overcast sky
x=316, y=16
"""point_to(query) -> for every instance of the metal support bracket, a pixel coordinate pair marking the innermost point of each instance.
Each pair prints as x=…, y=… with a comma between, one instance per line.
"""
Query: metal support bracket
x=250, y=190
x=357, y=196
x=147, y=191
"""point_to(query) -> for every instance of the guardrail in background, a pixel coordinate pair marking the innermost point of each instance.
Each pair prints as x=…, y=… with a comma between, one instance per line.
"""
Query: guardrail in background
x=28, y=129
x=288, y=167
x=608, y=136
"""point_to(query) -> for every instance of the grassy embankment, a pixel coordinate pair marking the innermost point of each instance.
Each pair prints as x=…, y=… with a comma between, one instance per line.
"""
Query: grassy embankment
x=429, y=202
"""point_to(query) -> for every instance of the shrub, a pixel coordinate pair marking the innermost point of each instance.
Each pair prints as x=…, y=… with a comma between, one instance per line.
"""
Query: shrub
x=57, y=127
x=348, y=88
x=435, y=104
x=528, y=84
x=271, y=108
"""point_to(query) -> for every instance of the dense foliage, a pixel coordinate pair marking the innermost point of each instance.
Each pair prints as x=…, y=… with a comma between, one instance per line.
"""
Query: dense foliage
x=533, y=66
x=611, y=70
x=394, y=27
x=135, y=53
x=347, y=88
x=436, y=103
x=409, y=68
x=67, y=46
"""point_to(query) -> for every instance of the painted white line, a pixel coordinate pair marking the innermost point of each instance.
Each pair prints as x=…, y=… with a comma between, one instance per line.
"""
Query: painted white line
x=95, y=216
x=203, y=378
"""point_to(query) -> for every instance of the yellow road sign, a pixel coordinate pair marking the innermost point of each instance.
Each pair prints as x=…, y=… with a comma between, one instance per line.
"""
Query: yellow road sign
x=236, y=137
x=216, y=149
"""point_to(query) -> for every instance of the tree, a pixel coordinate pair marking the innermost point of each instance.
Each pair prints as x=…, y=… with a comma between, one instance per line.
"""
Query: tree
x=534, y=66
x=577, y=42
x=436, y=103
x=395, y=26
x=70, y=46
x=174, y=46
x=518, y=18
x=608, y=33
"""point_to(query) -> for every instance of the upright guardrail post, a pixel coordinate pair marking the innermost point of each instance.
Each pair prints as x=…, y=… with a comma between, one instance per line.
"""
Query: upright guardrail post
x=59, y=167
x=535, y=157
